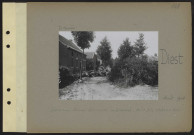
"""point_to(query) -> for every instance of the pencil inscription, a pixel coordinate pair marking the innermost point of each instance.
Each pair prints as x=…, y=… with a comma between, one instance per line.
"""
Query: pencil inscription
x=66, y=27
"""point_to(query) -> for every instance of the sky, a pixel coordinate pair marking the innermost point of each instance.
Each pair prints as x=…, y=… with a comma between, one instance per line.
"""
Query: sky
x=116, y=38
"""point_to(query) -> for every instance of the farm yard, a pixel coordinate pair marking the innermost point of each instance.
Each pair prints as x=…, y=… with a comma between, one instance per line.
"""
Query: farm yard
x=99, y=88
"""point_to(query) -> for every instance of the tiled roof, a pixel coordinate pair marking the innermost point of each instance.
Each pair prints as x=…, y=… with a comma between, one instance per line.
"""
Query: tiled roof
x=69, y=43
x=89, y=55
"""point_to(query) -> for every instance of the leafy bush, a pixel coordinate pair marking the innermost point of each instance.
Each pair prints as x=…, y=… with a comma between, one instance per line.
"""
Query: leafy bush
x=151, y=78
x=133, y=67
x=134, y=71
x=89, y=64
x=115, y=72
x=65, y=77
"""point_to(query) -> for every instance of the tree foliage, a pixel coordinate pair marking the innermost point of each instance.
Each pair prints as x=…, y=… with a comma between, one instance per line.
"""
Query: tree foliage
x=139, y=45
x=83, y=38
x=104, y=51
x=134, y=71
x=133, y=67
x=89, y=64
x=125, y=50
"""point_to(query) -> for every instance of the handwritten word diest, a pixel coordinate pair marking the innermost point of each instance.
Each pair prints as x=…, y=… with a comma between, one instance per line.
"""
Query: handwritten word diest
x=170, y=59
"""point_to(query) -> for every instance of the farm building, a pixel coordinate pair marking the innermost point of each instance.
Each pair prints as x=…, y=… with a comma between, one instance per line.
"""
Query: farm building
x=70, y=55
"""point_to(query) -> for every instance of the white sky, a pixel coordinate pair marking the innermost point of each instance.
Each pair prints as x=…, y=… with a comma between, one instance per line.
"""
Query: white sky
x=116, y=39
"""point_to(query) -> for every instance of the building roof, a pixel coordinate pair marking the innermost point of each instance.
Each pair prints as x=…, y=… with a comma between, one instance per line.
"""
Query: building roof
x=69, y=44
x=89, y=55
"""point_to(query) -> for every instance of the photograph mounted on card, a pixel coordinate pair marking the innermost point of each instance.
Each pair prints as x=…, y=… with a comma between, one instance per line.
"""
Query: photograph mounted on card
x=108, y=65
x=84, y=67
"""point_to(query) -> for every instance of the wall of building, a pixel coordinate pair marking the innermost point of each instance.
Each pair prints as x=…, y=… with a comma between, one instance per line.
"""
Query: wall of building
x=71, y=59
x=63, y=55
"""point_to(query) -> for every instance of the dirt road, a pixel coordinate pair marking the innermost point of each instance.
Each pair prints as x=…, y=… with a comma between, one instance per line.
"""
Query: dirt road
x=99, y=88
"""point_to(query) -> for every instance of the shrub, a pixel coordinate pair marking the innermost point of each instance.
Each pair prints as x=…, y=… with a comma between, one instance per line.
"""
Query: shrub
x=151, y=78
x=115, y=72
x=65, y=77
x=134, y=71
x=89, y=64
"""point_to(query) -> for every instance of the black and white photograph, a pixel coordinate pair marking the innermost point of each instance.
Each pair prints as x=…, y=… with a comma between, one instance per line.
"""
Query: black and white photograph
x=108, y=65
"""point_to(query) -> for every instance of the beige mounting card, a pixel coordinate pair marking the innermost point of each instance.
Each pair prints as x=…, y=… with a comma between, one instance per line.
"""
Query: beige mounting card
x=30, y=68
x=14, y=67
x=172, y=112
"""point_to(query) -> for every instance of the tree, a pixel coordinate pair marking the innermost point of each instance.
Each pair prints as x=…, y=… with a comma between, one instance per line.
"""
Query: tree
x=104, y=51
x=83, y=39
x=89, y=64
x=140, y=46
x=125, y=50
